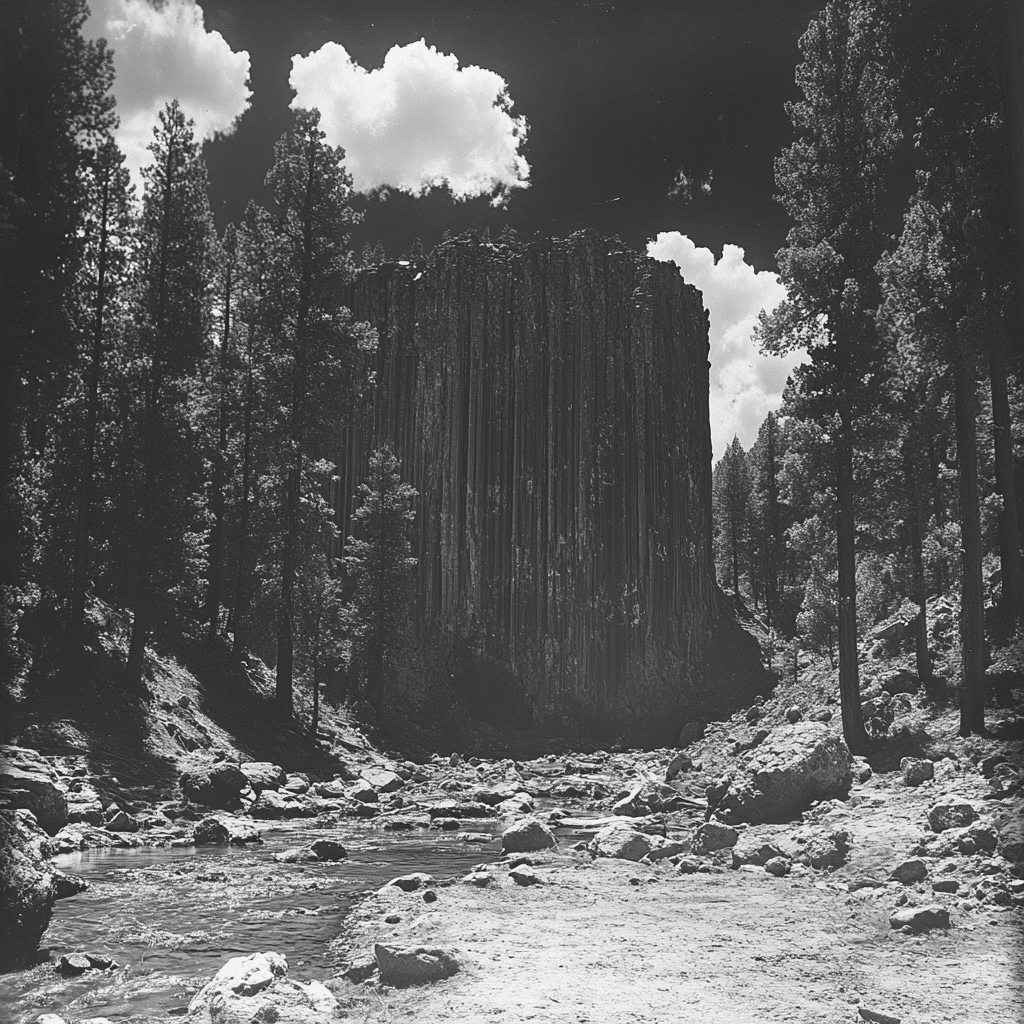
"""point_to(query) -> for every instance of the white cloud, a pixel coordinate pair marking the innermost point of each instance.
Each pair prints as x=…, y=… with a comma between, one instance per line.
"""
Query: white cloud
x=163, y=52
x=416, y=123
x=745, y=385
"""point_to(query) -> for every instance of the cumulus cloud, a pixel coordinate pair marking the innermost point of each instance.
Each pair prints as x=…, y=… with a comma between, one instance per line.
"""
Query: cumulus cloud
x=745, y=385
x=417, y=122
x=163, y=51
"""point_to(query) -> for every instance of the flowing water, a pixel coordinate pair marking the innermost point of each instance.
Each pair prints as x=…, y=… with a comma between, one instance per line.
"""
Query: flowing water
x=172, y=917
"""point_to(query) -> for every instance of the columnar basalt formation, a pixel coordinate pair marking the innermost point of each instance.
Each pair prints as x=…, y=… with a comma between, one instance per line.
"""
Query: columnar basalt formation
x=550, y=404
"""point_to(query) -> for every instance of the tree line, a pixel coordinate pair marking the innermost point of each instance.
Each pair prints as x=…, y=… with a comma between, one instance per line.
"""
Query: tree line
x=903, y=273
x=172, y=398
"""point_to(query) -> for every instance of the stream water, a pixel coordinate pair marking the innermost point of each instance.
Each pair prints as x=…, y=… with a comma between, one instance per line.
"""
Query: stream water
x=172, y=917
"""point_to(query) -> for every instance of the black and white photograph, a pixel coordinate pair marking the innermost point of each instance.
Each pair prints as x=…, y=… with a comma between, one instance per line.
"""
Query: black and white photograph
x=511, y=510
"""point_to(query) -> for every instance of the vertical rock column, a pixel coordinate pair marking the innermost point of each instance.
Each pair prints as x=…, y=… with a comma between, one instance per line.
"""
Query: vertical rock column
x=550, y=404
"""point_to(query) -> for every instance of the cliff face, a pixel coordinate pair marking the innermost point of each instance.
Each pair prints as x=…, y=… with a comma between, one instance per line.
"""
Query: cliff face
x=550, y=404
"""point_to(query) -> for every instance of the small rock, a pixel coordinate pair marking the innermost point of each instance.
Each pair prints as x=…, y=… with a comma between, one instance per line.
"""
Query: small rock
x=794, y=714
x=860, y=768
x=820, y=715
x=383, y=780
x=401, y=967
x=920, y=919
x=524, y=875
x=224, y=829
x=945, y=885
x=50, y=1018
x=72, y=964
x=620, y=840
x=480, y=879
x=263, y=775
x=454, y=761
x=687, y=866
x=951, y=814
x=916, y=770
x=475, y=837
x=909, y=871
x=429, y=896
x=989, y=764
x=828, y=850
x=777, y=866
x=527, y=835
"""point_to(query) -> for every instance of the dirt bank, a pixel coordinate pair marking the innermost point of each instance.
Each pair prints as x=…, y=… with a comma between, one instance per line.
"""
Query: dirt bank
x=612, y=941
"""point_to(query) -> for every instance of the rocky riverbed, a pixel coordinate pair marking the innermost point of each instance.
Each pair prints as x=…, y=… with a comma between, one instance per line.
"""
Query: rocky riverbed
x=626, y=882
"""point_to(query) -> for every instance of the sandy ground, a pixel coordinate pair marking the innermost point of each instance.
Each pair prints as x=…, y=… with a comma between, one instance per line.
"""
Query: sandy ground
x=612, y=941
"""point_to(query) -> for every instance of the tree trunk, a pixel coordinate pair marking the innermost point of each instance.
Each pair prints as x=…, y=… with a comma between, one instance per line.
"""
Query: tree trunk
x=217, y=490
x=849, y=682
x=136, y=653
x=286, y=615
x=76, y=618
x=241, y=605
x=316, y=699
x=972, y=606
x=1009, y=529
x=920, y=590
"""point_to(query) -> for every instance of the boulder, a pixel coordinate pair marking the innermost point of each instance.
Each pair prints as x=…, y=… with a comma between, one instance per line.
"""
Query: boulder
x=383, y=780
x=26, y=780
x=909, y=871
x=328, y=850
x=224, y=830
x=777, y=866
x=825, y=849
x=296, y=855
x=681, y=762
x=526, y=836
x=410, y=883
x=754, y=846
x=523, y=875
x=1011, y=838
x=257, y=988
x=916, y=770
x=84, y=804
x=691, y=732
x=401, y=967
x=794, y=714
x=214, y=784
x=121, y=822
x=263, y=775
x=951, y=814
x=900, y=681
x=920, y=919
x=27, y=894
x=621, y=840
x=275, y=804
x=792, y=768
x=460, y=809
x=363, y=792
x=296, y=783
x=713, y=835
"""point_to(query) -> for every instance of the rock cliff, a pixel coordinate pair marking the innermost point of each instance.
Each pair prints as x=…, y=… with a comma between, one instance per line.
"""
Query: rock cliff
x=549, y=402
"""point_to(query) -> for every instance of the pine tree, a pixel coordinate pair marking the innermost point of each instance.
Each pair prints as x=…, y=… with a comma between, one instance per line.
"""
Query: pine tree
x=833, y=181
x=730, y=488
x=174, y=260
x=766, y=514
x=949, y=282
x=56, y=103
x=108, y=237
x=314, y=339
x=380, y=562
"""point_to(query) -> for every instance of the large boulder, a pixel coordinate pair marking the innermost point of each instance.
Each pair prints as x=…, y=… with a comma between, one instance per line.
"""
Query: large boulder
x=401, y=967
x=27, y=893
x=250, y=989
x=526, y=836
x=263, y=775
x=792, y=767
x=383, y=780
x=713, y=835
x=224, y=830
x=214, y=784
x=622, y=841
x=276, y=804
x=26, y=780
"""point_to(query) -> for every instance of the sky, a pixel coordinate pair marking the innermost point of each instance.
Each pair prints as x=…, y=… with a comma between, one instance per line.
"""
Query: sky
x=656, y=121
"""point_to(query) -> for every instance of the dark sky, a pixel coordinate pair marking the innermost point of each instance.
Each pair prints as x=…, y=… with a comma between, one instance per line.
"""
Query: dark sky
x=618, y=96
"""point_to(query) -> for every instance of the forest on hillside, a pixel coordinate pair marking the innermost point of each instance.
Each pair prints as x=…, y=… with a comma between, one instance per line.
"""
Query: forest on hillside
x=170, y=395
x=892, y=474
